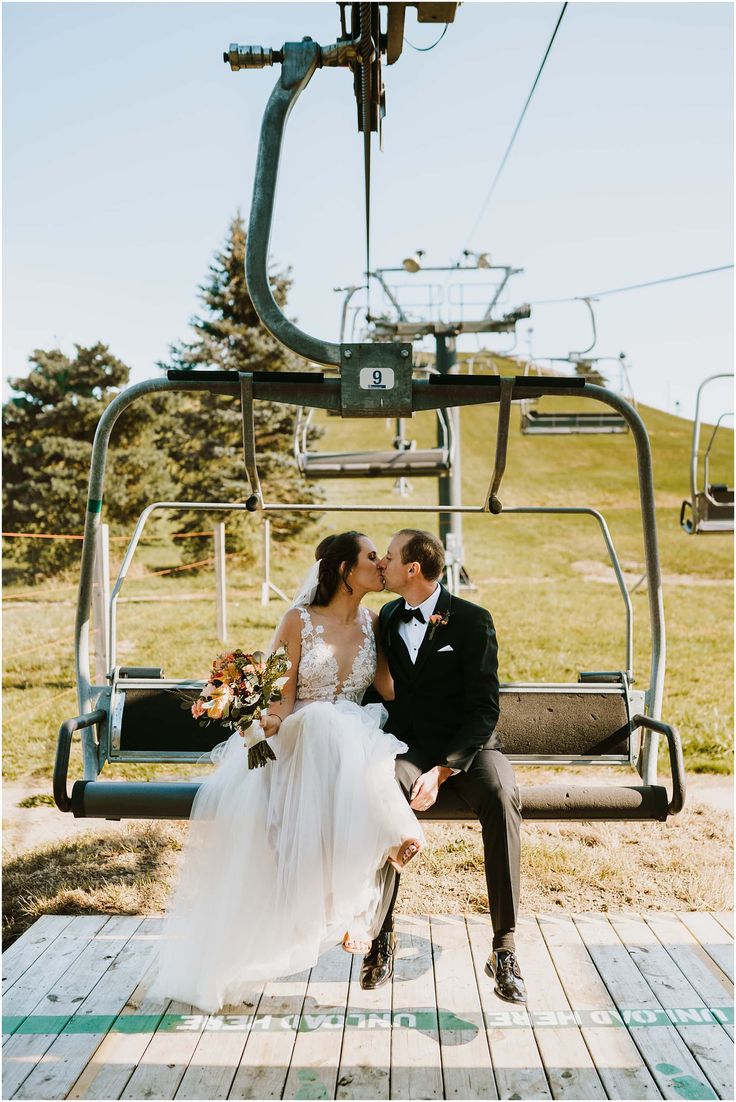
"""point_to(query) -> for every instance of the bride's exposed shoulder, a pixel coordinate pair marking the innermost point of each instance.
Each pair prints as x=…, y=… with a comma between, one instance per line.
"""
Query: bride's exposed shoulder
x=288, y=632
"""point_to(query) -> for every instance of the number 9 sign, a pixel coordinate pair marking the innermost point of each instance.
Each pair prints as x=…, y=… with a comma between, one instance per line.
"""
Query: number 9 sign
x=376, y=378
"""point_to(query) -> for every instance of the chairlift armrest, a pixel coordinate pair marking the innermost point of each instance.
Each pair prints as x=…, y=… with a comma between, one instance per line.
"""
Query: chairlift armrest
x=677, y=764
x=63, y=746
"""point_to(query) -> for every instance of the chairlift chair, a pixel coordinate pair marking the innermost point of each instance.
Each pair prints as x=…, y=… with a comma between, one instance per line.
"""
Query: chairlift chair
x=711, y=507
x=542, y=422
x=137, y=714
x=402, y=460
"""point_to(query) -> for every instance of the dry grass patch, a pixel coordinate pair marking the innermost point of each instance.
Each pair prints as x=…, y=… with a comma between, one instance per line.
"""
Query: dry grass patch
x=126, y=872
x=584, y=866
x=686, y=864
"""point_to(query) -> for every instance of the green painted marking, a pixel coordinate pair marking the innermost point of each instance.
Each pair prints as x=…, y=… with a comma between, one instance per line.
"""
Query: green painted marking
x=427, y=1020
x=311, y=1086
x=687, y=1086
x=94, y=505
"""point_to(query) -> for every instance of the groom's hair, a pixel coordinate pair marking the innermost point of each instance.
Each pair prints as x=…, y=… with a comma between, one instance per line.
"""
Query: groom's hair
x=424, y=548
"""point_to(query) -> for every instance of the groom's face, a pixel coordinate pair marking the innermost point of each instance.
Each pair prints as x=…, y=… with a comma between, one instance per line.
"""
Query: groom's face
x=397, y=574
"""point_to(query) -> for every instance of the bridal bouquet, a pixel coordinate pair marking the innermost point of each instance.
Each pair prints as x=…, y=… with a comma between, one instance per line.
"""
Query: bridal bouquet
x=238, y=692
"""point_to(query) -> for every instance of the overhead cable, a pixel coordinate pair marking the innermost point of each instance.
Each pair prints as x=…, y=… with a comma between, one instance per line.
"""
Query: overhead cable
x=516, y=128
x=632, y=286
x=426, y=49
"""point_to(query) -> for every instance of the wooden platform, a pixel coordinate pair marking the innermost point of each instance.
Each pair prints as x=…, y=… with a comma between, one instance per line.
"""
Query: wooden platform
x=620, y=1006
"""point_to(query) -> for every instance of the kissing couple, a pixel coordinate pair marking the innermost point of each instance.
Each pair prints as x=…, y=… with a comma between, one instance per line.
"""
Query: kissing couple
x=379, y=711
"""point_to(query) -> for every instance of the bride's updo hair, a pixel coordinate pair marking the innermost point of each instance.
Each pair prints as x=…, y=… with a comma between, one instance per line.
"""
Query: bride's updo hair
x=332, y=553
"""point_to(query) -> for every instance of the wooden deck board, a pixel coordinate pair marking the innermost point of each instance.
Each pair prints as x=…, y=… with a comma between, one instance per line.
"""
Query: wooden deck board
x=50, y=991
x=620, y=1006
x=667, y=1056
x=710, y=935
x=674, y=992
x=85, y=1030
x=517, y=1065
x=264, y=1064
x=365, y=1061
x=617, y=1059
x=726, y=920
x=466, y=1057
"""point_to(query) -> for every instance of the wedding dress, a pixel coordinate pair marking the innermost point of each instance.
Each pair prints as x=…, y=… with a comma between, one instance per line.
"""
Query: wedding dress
x=281, y=861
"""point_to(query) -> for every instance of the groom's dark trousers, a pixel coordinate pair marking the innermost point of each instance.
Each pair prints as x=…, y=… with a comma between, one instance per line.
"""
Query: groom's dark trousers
x=446, y=709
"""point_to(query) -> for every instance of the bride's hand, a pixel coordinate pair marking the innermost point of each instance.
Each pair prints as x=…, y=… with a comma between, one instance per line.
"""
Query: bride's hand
x=271, y=725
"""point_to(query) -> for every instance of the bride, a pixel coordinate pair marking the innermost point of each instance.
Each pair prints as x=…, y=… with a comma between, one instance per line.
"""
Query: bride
x=284, y=862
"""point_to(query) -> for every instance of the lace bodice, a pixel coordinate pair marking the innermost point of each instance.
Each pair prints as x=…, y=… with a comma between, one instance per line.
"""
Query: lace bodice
x=318, y=674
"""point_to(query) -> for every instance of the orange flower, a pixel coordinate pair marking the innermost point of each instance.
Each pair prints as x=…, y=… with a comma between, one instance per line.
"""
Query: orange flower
x=219, y=705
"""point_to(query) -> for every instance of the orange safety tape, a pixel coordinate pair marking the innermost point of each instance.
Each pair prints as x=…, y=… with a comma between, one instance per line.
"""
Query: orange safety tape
x=143, y=539
x=39, y=646
x=43, y=704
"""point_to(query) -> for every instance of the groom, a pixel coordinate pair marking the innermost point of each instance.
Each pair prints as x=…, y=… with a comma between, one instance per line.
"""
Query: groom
x=442, y=654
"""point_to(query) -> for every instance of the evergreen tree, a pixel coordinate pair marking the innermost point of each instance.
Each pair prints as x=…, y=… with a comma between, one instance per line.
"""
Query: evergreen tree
x=48, y=429
x=203, y=431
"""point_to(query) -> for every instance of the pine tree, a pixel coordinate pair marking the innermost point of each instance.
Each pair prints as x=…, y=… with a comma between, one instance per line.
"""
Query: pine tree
x=204, y=431
x=48, y=429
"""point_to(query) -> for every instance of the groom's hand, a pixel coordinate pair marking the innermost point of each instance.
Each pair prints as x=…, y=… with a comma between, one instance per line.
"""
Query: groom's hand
x=425, y=788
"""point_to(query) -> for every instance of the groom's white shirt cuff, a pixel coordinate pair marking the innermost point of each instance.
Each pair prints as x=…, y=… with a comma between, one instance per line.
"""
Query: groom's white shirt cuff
x=413, y=633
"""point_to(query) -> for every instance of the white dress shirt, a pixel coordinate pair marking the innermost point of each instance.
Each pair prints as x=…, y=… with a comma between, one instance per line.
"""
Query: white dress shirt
x=413, y=632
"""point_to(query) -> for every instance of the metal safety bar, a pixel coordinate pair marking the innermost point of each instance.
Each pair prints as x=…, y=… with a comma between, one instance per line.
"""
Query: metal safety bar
x=63, y=746
x=706, y=458
x=677, y=762
x=222, y=506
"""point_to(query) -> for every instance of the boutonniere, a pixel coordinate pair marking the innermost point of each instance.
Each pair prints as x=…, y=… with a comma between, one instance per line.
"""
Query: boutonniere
x=438, y=620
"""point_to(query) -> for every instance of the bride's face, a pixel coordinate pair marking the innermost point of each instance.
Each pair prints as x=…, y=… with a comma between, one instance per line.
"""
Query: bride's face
x=366, y=574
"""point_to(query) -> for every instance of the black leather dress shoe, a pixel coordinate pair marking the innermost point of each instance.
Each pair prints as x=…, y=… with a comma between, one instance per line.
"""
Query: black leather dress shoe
x=378, y=965
x=503, y=966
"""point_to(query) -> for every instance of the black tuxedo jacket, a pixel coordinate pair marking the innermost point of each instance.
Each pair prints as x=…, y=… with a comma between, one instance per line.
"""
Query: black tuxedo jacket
x=446, y=705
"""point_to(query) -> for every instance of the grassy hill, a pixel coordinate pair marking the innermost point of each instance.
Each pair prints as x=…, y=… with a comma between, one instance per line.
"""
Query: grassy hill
x=545, y=579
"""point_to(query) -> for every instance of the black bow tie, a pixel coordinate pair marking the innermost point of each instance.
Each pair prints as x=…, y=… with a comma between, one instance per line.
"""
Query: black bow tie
x=408, y=614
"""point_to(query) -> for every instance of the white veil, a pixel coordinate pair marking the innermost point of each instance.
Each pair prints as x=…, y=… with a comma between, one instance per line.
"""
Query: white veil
x=307, y=588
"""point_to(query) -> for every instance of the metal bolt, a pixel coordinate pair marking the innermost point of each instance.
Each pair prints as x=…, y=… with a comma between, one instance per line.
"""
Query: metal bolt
x=348, y=353
x=404, y=352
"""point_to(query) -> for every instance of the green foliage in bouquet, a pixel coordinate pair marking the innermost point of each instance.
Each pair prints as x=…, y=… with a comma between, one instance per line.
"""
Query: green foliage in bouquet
x=238, y=692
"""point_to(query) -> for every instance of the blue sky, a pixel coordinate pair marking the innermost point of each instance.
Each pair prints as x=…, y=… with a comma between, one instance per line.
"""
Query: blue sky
x=128, y=146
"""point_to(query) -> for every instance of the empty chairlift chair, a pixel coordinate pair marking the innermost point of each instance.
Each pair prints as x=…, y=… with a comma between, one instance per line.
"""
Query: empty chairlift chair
x=561, y=422
x=402, y=460
x=711, y=503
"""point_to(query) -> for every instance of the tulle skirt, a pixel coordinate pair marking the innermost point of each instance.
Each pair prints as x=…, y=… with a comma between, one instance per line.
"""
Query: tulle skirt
x=281, y=861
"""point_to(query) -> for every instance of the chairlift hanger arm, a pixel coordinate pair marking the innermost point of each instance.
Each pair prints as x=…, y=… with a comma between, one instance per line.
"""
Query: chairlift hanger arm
x=582, y=352
x=360, y=49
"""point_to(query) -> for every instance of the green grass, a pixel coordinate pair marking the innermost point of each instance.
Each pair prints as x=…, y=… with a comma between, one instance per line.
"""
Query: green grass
x=539, y=576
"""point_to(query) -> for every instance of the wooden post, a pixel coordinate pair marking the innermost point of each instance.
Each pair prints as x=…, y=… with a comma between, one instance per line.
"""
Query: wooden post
x=101, y=603
x=267, y=585
x=220, y=581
